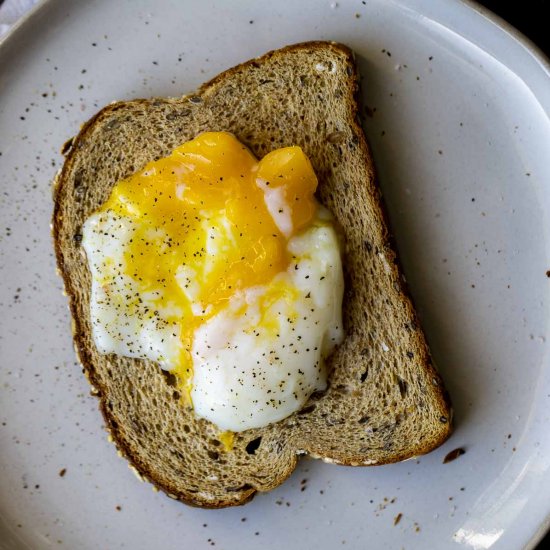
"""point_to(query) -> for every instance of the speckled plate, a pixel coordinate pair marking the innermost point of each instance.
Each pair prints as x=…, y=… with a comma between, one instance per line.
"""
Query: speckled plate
x=457, y=115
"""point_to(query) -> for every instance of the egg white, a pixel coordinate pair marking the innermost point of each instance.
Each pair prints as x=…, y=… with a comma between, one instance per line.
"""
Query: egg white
x=120, y=313
x=246, y=374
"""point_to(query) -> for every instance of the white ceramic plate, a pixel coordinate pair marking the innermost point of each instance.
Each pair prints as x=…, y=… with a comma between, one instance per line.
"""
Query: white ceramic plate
x=461, y=138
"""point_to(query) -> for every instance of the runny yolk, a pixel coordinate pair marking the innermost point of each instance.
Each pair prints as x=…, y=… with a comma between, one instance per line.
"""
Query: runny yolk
x=203, y=229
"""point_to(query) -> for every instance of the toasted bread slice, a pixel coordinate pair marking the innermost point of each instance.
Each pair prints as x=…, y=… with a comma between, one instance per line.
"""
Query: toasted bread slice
x=385, y=400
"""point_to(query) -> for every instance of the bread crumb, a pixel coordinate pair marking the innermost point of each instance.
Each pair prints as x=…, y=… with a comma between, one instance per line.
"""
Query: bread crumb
x=397, y=518
x=453, y=455
x=62, y=472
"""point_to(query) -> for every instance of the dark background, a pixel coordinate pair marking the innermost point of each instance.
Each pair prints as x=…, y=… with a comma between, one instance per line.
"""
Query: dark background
x=528, y=16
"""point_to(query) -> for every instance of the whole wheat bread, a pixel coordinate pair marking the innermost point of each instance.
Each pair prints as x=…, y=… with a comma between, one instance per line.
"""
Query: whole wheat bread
x=385, y=400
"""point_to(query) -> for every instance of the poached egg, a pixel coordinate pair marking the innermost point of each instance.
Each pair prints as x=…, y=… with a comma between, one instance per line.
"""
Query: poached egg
x=226, y=271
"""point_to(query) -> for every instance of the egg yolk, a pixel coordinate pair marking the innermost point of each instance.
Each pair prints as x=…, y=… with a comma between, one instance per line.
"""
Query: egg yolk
x=207, y=229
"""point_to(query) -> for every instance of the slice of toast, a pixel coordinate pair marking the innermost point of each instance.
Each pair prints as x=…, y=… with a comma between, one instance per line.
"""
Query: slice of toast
x=385, y=400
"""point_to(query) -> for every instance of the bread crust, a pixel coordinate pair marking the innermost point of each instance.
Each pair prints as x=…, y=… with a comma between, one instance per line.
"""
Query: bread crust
x=438, y=397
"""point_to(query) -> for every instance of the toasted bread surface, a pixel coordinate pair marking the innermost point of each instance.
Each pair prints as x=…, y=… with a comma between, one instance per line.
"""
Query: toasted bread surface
x=385, y=400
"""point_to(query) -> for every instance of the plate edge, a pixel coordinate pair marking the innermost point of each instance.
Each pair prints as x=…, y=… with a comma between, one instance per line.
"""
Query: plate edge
x=516, y=34
x=23, y=20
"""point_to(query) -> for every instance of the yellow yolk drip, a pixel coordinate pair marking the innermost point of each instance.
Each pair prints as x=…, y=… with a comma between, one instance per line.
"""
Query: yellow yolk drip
x=228, y=440
x=203, y=230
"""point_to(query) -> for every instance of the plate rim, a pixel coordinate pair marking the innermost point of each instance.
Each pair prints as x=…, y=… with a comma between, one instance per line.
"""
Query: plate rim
x=29, y=14
x=514, y=33
x=473, y=5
